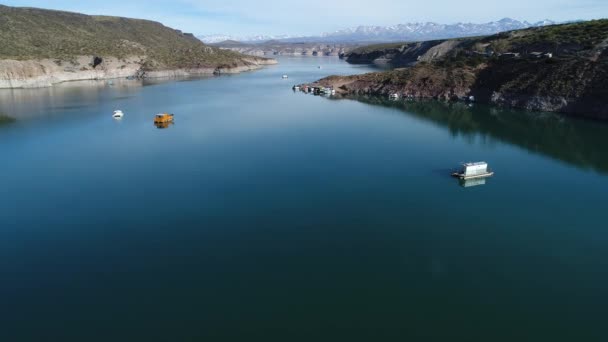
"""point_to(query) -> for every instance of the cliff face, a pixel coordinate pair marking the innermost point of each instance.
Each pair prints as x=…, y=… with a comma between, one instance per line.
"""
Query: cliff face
x=46, y=72
x=577, y=85
x=275, y=48
x=401, y=55
x=571, y=77
x=42, y=47
x=422, y=81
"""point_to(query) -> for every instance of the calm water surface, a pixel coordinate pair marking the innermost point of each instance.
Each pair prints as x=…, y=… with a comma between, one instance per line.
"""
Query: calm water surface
x=264, y=214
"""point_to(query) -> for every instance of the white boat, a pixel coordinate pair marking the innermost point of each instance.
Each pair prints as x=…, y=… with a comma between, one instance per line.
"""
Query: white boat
x=473, y=170
x=118, y=114
x=394, y=96
x=285, y=76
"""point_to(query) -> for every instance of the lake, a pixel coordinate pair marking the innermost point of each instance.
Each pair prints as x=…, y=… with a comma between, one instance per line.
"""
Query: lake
x=264, y=214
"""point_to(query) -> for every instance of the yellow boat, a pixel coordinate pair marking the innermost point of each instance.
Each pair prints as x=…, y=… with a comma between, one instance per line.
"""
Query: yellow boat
x=163, y=118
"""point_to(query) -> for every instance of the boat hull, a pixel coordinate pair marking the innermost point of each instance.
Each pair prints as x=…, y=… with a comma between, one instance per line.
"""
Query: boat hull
x=481, y=175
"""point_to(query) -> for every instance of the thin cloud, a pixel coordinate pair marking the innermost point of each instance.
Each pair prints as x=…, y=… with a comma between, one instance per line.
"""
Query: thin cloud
x=316, y=16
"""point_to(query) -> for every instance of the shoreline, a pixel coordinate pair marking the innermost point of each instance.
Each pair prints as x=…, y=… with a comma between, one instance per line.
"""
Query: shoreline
x=45, y=73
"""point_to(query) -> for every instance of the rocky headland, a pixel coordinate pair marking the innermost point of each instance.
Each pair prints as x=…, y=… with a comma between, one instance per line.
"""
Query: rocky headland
x=561, y=68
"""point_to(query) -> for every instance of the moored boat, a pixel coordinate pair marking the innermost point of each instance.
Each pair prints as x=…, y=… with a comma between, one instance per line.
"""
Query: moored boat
x=473, y=170
x=118, y=114
x=163, y=118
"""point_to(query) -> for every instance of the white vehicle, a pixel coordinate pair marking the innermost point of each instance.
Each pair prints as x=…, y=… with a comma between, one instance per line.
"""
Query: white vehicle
x=118, y=114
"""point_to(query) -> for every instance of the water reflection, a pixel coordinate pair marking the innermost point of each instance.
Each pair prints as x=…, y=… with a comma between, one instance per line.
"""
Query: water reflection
x=468, y=183
x=64, y=97
x=73, y=96
x=575, y=141
x=163, y=125
x=5, y=119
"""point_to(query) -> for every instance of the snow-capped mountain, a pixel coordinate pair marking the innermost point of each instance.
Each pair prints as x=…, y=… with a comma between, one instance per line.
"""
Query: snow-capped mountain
x=217, y=38
x=429, y=30
x=402, y=32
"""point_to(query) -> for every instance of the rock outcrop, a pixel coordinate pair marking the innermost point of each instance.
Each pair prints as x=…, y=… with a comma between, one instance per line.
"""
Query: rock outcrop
x=560, y=68
x=46, y=72
x=274, y=48
x=578, y=87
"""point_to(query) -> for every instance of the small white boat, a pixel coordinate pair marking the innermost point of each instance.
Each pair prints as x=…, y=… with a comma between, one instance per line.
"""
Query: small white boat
x=394, y=96
x=473, y=170
x=118, y=114
x=285, y=76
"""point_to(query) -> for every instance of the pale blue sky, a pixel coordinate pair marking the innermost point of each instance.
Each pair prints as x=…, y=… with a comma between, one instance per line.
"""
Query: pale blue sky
x=245, y=17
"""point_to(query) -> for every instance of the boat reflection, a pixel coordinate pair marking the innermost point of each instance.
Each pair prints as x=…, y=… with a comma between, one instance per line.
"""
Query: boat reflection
x=574, y=141
x=163, y=125
x=468, y=183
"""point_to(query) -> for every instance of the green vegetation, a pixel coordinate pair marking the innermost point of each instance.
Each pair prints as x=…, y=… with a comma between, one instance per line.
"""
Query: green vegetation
x=575, y=36
x=5, y=119
x=29, y=33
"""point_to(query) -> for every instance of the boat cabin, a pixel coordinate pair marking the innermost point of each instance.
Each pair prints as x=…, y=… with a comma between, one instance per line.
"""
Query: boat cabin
x=163, y=117
x=472, y=169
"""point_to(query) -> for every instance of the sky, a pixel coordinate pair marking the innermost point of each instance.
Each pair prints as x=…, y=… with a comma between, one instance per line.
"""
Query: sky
x=312, y=17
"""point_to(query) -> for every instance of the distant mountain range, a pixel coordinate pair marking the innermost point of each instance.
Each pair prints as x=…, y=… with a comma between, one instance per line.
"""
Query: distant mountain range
x=402, y=32
x=218, y=38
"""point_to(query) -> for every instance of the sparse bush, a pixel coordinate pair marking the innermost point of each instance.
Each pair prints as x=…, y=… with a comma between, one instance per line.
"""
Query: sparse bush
x=35, y=33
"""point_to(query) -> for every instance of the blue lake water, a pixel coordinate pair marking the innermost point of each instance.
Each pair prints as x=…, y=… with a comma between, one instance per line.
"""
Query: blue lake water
x=263, y=214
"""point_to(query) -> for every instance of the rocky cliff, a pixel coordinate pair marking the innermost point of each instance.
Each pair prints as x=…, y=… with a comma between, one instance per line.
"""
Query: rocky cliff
x=560, y=68
x=400, y=54
x=42, y=47
x=276, y=48
x=46, y=72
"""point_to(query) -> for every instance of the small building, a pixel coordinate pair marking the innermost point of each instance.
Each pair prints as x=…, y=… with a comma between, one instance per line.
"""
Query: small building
x=541, y=54
x=509, y=55
x=536, y=54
